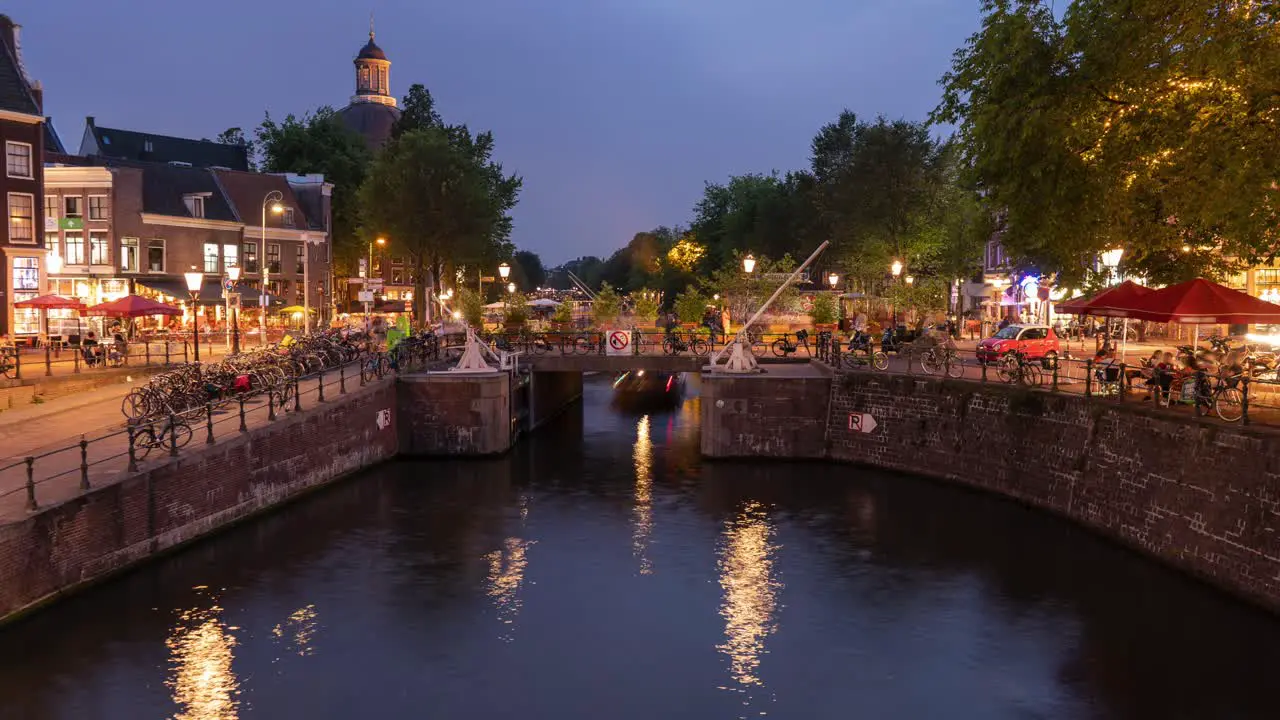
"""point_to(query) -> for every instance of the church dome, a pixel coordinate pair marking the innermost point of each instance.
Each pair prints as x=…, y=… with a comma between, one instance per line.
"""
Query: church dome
x=373, y=121
x=371, y=51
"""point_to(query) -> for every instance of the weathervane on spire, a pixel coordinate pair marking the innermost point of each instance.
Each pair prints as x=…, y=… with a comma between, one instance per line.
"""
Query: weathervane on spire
x=370, y=24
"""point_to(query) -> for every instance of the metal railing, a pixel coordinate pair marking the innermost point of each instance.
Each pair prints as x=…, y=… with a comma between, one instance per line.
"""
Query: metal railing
x=697, y=342
x=60, y=472
x=1250, y=397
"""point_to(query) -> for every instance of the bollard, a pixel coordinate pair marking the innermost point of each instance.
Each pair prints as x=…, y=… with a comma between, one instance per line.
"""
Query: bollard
x=208, y=423
x=133, y=455
x=243, y=426
x=362, y=372
x=342, y=379
x=271, y=404
x=166, y=352
x=146, y=353
x=173, y=435
x=17, y=364
x=1056, y=362
x=1121, y=384
x=84, y=463
x=75, y=358
x=983, y=365
x=1244, y=400
x=31, y=484
x=297, y=395
x=48, y=362
x=184, y=352
x=321, y=385
x=1200, y=383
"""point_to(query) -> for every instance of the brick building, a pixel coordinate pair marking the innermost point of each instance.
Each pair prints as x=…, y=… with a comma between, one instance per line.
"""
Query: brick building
x=25, y=132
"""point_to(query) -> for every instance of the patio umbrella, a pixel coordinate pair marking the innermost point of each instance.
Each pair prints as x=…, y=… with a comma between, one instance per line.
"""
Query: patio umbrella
x=45, y=303
x=1118, y=301
x=1197, y=302
x=132, y=306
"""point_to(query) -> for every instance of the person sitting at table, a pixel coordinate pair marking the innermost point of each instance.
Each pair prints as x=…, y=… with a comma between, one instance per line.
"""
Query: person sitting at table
x=1106, y=367
x=89, y=346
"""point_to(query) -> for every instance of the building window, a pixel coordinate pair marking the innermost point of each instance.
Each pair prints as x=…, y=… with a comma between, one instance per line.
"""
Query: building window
x=26, y=285
x=129, y=255
x=302, y=258
x=397, y=260
x=22, y=218
x=18, y=159
x=397, y=276
x=73, y=206
x=250, y=252
x=230, y=256
x=287, y=218
x=211, y=257
x=273, y=258
x=155, y=256
x=75, y=248
x=51, y=242
x=99, y=249
x=195, y=205
x=99, y=208
x=50, y=208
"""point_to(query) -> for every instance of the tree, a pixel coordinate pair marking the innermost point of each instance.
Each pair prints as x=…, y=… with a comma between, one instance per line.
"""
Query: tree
x=743, y=293
x=235, y=136
x=529, y=272
x=417, y=112
x=606, y=307
x=763, y=214
x=1144, y=124
x=645, y=305
x=690, y=305
x=471, y=305
x=437, y=196
x=320, y=143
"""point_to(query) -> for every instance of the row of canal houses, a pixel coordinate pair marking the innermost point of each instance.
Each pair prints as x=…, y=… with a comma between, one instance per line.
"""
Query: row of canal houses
x=130, y=212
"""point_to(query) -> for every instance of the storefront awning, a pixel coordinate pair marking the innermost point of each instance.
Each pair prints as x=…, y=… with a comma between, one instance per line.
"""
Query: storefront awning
x=210, y=291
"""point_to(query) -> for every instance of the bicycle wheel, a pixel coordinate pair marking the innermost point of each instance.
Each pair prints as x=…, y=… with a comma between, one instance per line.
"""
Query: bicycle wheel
x=1229, y=404
x=758, y=348
x=582, y=346
x=879, y=360
x=181, y=434
x=135, y=405
x=368, y=369
x=669, y=346
x=781, y=348
x=929, y=362
x=1031, y=376
x=955, y=366
x=700, y=347
x=1007, y=369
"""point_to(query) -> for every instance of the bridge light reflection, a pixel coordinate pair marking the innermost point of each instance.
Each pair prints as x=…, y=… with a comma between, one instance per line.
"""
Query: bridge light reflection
x=300, y=626
x=643, y=512
x=750, y=592
x=200, y=655
x=506, y=577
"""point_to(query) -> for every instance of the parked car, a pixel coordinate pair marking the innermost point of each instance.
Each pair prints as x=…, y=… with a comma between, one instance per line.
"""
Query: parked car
x=1033, y=341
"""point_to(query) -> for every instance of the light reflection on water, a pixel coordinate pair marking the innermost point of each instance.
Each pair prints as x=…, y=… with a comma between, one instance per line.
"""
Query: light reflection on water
x=750, y=592
x=506, y=575
x=643, y=511
x=201, y=679
x=299, y=628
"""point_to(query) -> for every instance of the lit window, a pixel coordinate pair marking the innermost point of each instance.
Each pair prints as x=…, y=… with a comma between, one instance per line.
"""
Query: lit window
x=230, y=255
x=250, y=253
x=211, y=257
x=288, y=217
x=273, y=258
x=155, y=256
x=74, y=206
x=129, y=254
x=18, y=159
x=50, y=207
x=22, y=221
x=75, y=248
x=99, y=208
x=99, y=249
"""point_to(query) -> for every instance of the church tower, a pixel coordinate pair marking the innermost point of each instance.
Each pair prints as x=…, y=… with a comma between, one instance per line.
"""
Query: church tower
x=373, y=73
x=372, y=112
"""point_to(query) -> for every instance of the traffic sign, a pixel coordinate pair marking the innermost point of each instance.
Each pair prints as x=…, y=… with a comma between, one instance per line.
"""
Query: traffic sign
x=619, y=343
x=365, y=296
x=375, y=283
x=862, y=422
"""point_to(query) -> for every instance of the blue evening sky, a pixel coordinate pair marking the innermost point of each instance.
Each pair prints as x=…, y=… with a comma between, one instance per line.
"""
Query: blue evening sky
x=614, y=112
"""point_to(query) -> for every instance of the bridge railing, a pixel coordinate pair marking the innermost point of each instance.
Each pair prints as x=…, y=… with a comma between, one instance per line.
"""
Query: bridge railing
x=699, y=342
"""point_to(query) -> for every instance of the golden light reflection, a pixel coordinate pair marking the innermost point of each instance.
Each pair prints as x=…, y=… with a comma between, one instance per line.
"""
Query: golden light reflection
x=300, y=628
x=643, y=512
x=506, y=576
x=750, y=592
x=201, y=679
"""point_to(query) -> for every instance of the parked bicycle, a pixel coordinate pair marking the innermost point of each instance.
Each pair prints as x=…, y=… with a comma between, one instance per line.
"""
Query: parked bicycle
x=674, y=344
x=942, y=358
x=783, y=347
x=1016, y=369
x=175, y=433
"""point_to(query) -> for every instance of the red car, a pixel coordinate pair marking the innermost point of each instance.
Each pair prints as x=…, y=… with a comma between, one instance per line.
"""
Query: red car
x=1033, y=341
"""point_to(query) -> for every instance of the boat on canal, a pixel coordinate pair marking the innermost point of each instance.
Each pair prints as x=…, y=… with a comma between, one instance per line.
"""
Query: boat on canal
x=645, y=390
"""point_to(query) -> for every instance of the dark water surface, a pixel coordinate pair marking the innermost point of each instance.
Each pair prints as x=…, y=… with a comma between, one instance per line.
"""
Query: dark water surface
x=602, y=571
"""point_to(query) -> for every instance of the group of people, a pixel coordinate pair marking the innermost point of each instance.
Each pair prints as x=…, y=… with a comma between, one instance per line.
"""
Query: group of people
x=1162, y=372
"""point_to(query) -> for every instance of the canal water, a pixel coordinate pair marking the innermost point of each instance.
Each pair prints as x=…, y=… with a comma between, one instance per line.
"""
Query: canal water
x=603, y=571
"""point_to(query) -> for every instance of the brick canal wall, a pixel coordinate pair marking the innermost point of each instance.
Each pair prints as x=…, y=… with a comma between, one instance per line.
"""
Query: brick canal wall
x=455, y=415
x=123, y=523
x=764, y=416
x=1199, y=495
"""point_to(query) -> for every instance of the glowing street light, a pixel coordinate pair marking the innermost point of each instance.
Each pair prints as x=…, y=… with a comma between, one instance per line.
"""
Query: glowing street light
x=504, y=271
x=896, y=268
x=910, y=280
x=1111, y=258
x=194, y=279
x=511, y=287
x=833, y=279
x=749, y=263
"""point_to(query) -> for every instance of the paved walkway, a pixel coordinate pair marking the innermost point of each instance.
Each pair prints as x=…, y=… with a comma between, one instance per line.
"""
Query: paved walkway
x=69, y=362
x=57, y=468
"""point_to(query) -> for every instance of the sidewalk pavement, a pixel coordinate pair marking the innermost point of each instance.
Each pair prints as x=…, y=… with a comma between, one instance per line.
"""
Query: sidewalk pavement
x=65, y=364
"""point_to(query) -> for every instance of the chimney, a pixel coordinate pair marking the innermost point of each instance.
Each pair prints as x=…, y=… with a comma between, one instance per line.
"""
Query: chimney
x=37, y=94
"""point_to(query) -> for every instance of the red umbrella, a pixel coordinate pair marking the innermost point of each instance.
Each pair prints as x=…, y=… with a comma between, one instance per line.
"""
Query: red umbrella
x=133, y=306
x=1115, y=301
x=51, y=302
x=1201, y=302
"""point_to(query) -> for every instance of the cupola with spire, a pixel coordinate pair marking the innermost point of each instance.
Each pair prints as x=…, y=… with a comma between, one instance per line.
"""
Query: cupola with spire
x=372, y=112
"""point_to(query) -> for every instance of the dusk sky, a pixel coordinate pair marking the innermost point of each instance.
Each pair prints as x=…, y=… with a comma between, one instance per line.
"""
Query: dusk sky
x=615, y=113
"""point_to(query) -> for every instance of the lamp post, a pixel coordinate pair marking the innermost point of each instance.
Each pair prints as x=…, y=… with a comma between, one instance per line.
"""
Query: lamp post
x=749, y=263
x=233, y=273
x=833, y=279
x=896, y=270
x=1111, y=260
x=194, y=279
x=511, y=287
x=272, y=200
x=368, y=278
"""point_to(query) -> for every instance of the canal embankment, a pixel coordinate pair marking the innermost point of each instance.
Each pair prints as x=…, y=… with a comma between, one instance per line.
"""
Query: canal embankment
x=1199, y=495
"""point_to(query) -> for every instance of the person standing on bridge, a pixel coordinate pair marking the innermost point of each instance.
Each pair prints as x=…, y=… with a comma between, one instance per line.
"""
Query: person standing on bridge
x=724, y=322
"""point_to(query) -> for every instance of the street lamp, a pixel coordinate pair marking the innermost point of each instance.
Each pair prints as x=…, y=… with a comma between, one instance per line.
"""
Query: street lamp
x=749, y=263
x=504, y=271
x=833, y=279
x=194, y=279
x=910, y=280
x=368, y=277
x=233, y=273
x=1111, y=260
x=511, y=287
x=272, y=200
x=896, y=268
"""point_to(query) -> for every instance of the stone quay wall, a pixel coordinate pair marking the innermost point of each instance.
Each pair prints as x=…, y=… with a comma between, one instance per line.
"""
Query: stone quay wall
x=1198, y=495
x=112, y=527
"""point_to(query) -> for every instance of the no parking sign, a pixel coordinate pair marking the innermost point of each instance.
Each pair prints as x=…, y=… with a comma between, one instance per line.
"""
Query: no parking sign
x=618, y=342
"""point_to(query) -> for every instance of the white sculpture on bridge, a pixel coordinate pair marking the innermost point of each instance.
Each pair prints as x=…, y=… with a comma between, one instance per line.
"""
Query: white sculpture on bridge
x=473, y=357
